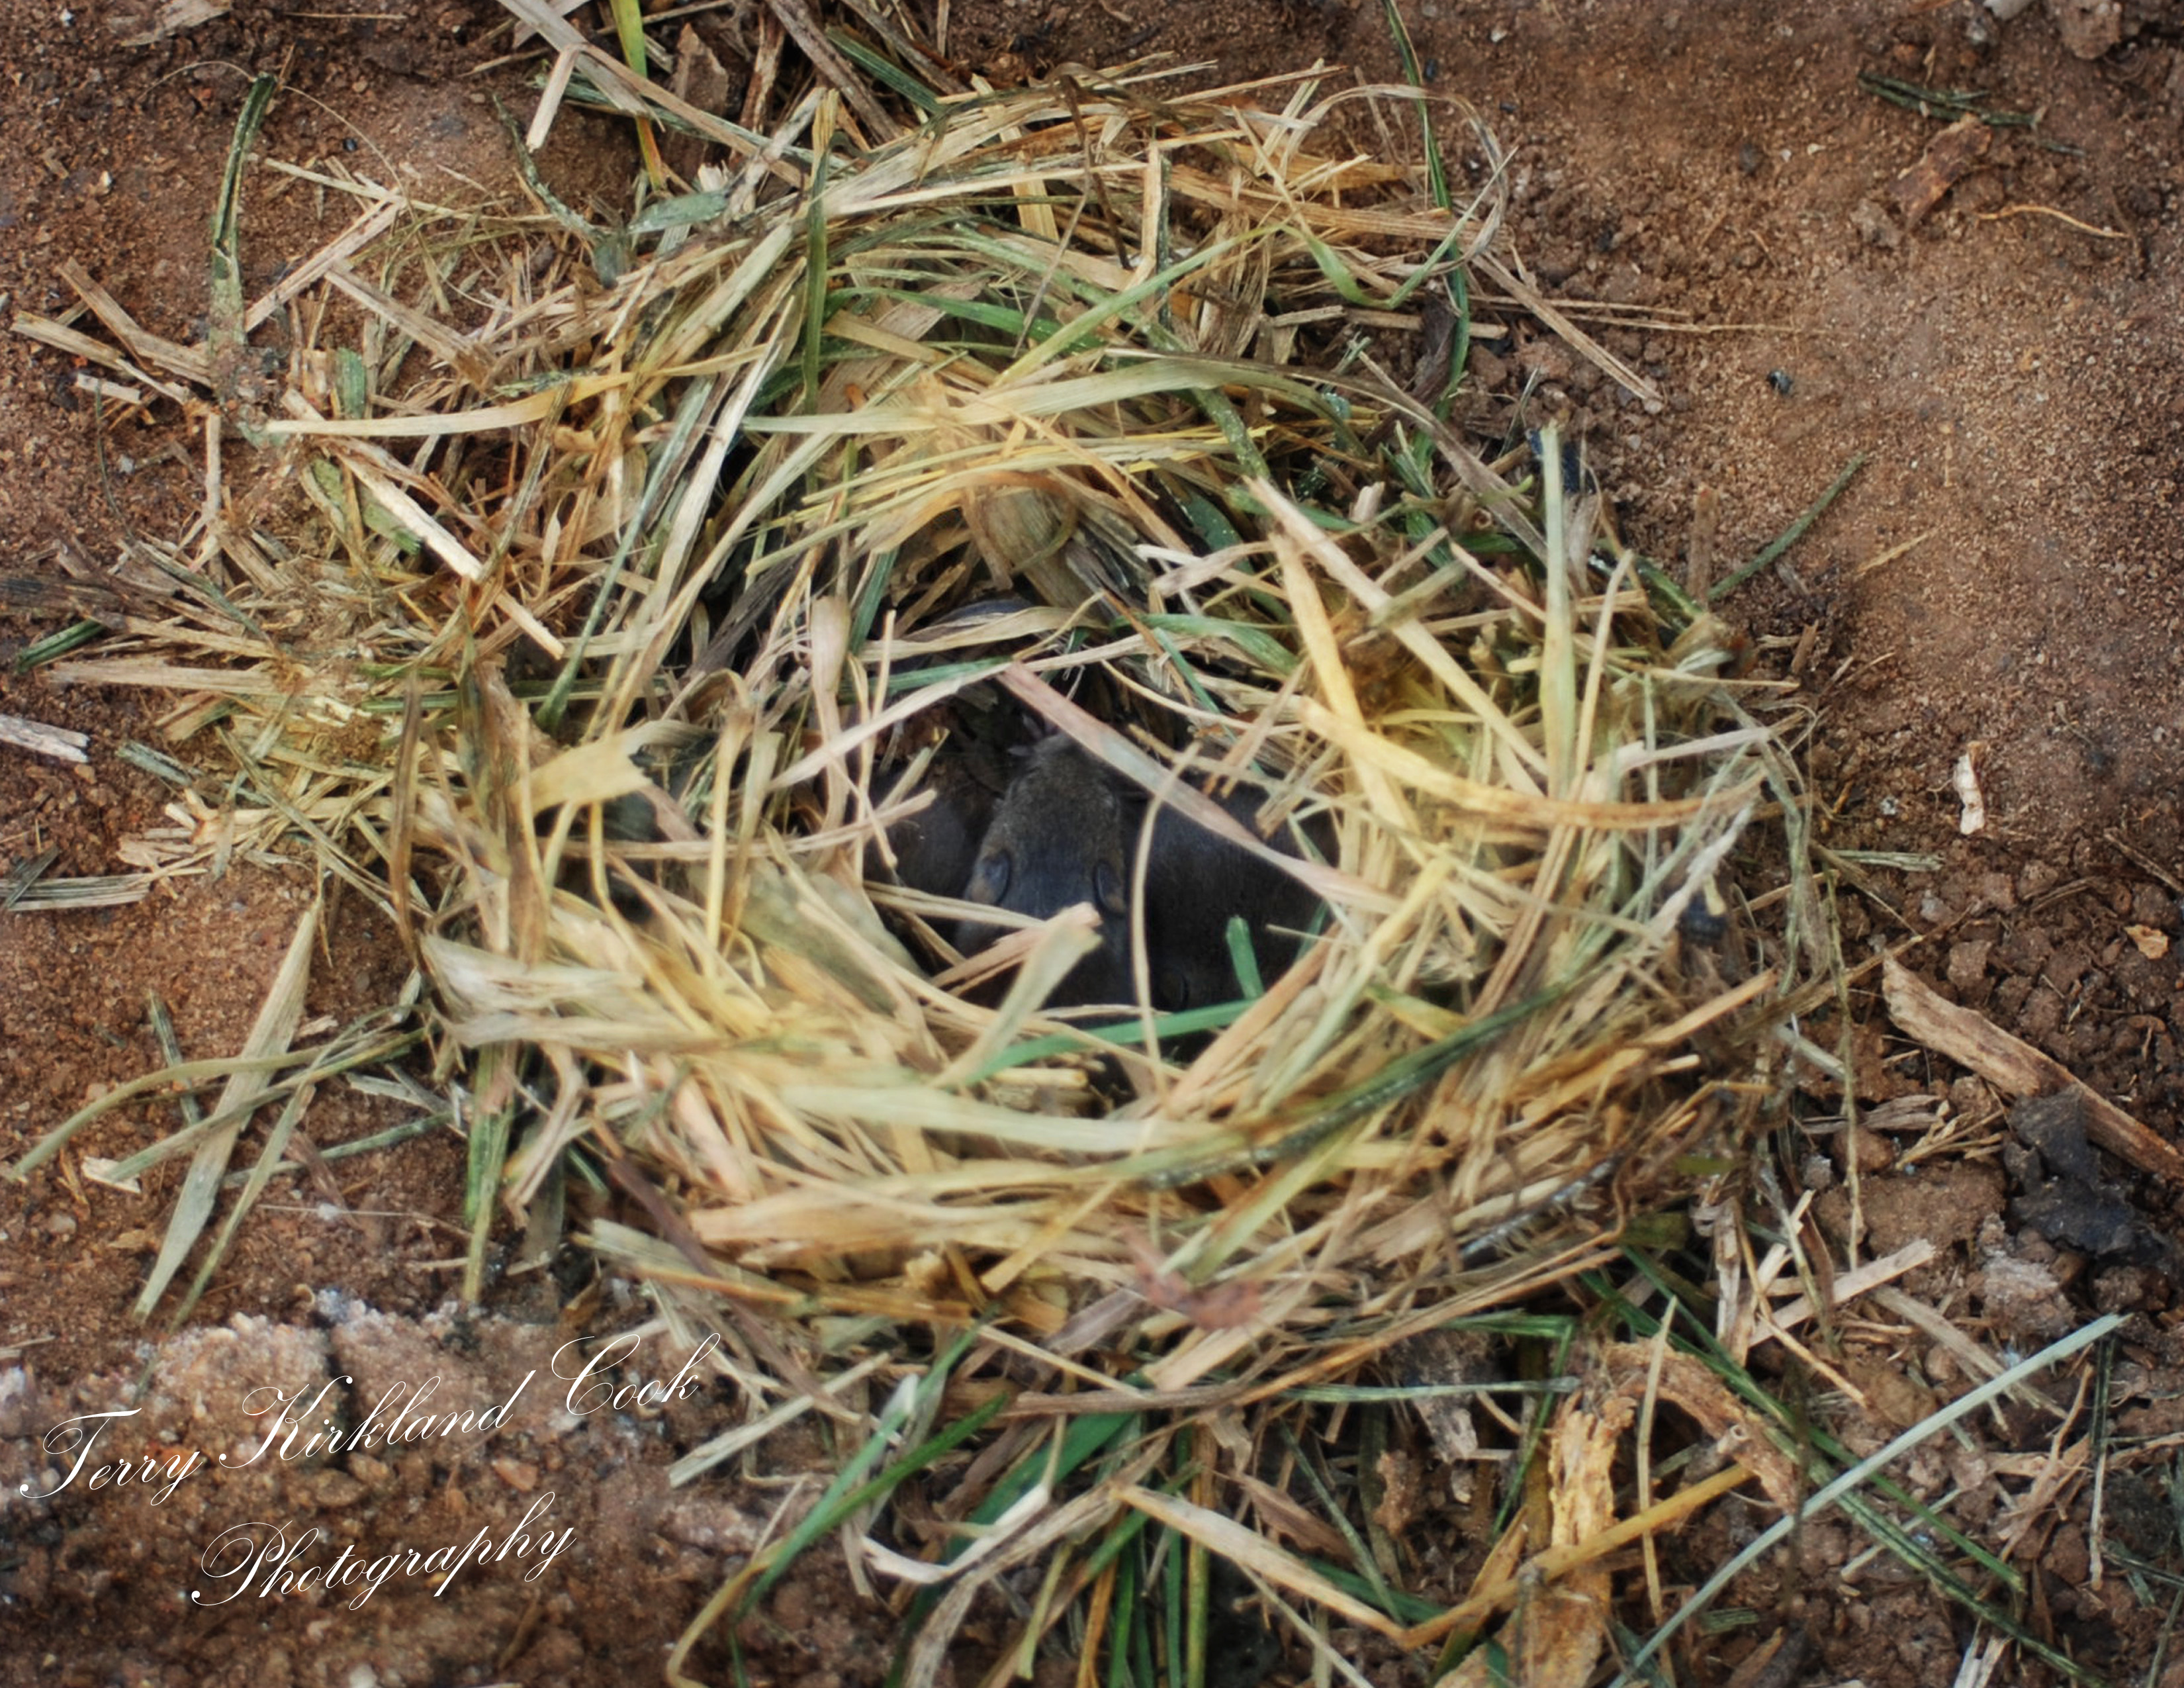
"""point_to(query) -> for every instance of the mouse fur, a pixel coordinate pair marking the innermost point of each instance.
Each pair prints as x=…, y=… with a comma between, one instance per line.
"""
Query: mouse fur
x=1059, y=836
x=934, y=848
x=1044, y=829
x=1195, y=882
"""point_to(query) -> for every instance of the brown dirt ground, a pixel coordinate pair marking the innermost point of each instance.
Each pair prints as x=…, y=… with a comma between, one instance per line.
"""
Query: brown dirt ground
x=2013, y=382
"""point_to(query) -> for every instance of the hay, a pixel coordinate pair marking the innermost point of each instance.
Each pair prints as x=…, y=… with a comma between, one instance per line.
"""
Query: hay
x=676, y=517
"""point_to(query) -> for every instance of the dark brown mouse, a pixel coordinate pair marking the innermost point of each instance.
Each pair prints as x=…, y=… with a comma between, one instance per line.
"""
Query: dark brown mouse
x=971, y=767
x=934, y=848
x=1060, y=836
x=1066, y=831
x=1195, y=882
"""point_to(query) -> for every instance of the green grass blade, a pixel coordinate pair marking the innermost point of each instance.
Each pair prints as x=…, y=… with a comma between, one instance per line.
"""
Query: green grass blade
x=224, y=334
x=1414, y=73
x=487, y=1159
x=54, y=646
x=1791, y=534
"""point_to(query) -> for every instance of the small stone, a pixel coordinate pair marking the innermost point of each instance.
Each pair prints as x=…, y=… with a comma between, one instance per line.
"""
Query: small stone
x=1900, y=1400
x=2130, y=1289
x=1943, y=1203
x=792, y=1607
x=1874, y=226
x=1873, y=1152
x=2067, y=1559
x=22, y=1410
x=336, y=1491
x=2089, y=28
x=1968, y=962
x=1489, y=373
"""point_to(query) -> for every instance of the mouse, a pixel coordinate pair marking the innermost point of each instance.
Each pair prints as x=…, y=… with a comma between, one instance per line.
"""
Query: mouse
x=1196, y=881
x=934, y=848
x=1066, y=831
x=1061, y=835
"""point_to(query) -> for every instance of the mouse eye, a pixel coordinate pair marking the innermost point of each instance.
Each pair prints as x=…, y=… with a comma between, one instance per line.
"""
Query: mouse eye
x=989, y=877
x=1107, y=888
x=1171, y=989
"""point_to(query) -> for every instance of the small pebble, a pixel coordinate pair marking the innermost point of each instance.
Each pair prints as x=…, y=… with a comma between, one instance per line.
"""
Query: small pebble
x=1874, y=1152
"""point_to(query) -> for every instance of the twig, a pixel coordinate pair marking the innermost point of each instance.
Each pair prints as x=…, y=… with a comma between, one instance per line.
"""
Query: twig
x=2017, y=1069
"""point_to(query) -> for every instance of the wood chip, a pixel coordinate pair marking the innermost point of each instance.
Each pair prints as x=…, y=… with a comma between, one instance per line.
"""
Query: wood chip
x=1945, y=161
x=701, y=79
x=1965, y=778
x=2152, y=941
x=137, y=29
x=2015, y=1068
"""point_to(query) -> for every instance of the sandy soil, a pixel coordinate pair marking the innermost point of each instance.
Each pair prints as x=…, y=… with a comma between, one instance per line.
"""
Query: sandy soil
x=1712, y=178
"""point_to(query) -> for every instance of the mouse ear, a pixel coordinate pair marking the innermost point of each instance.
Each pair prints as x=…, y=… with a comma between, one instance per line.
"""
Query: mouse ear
x=1107, y=888
x=989, y=876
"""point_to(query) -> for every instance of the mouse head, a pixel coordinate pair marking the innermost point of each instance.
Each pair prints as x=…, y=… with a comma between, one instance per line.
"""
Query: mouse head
x=1059, y=836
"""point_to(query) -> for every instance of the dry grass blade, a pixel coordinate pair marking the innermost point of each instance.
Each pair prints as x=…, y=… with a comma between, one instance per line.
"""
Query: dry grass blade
x=1235, y=1542
x=62, y=743
x=278, y=1017
x=96, y=891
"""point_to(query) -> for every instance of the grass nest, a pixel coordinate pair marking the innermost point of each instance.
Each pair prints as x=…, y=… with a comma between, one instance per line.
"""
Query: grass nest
x=637, y=580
